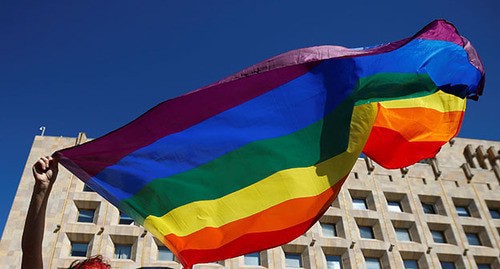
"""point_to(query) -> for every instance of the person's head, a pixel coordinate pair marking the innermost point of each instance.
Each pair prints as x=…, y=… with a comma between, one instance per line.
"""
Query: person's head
x=95, y=262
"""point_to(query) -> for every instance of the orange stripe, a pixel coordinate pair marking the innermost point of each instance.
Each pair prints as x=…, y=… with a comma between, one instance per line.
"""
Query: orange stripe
x=420, y=124
x=275, y=218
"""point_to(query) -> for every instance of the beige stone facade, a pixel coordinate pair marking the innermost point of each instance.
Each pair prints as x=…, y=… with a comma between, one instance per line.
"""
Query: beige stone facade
x=442, y=212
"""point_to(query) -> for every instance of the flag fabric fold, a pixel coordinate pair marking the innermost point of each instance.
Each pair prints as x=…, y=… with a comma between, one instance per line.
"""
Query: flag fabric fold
x=252, y=161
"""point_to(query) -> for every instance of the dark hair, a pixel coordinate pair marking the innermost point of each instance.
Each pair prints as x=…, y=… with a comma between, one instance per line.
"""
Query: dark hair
x=95, y=262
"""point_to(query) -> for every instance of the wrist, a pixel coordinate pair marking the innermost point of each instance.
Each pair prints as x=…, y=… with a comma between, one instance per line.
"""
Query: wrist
x=42, y=187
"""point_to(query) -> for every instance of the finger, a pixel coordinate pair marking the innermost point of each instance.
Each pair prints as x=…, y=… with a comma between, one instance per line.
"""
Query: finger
x=45, y=161
x=53, y=165
x=40, y=165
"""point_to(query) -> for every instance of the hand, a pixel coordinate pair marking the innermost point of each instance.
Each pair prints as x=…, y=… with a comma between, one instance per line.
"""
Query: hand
x=45, y=171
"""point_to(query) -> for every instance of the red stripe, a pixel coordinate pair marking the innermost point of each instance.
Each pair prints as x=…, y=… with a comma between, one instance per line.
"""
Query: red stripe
x=247, y=240
x=272, y=219
x=250, y=242
x=391, y=150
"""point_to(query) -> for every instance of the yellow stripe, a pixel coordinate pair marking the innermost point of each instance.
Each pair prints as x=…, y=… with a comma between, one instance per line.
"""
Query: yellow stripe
x=273, y=190
x=439, y=101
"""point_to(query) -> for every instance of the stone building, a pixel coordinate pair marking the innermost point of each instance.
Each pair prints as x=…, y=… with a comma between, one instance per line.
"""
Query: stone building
x=440, y=213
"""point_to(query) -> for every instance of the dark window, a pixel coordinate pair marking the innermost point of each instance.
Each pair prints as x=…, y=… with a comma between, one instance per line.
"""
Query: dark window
x=86, y=215
x=124, y=219
x=428, y=208
x=447, y=265
x=483, y=266
x=333, y=262
x=87, y=188
x=495, y=213
x=372, y=263
x=463, y=211
x=359, y=203
x=438, y=236
x=293, y=260
x=122, y=251
x=473, y=239
x=366, y=232
x=403, y=234
x=410, y=264
x=252, y=259
x=328, y=230
x=164, y=254
x=79, y=249
x=394, y=206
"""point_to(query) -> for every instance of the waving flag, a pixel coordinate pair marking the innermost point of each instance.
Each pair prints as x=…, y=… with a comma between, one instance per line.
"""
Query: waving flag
x=253, y=161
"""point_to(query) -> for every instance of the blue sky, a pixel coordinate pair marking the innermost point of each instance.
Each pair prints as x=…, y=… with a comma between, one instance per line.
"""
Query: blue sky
x=93, y=66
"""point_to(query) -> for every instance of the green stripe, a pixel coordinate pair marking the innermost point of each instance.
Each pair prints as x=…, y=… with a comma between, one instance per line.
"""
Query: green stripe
x=253, y=162
x=392, y=86
x=248, y=165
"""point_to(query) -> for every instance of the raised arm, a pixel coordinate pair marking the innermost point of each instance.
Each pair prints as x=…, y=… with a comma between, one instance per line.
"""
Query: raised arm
x=45, y=174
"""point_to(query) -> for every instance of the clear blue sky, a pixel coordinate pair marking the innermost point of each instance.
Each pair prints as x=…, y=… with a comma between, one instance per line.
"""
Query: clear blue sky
x=93, y=66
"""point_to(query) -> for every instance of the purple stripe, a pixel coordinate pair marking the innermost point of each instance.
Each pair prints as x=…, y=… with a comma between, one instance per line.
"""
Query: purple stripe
x=440, y=30
x=173, y=116
x=180, y=113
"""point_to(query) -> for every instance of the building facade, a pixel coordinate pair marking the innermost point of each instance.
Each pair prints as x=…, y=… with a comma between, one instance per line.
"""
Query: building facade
x=440, y=213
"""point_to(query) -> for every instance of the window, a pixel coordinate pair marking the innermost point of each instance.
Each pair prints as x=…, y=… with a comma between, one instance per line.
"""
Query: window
x=473, y=239
x=359, y=203
x=124, y=219
x=366, y=232
x=438, y=236
x=164, y=254
x=328, y=230
x=394, y=206
x=79, y=249
x=123, y=251
x=252, y=259
x=333, y=262
x=447, y=265
x=293, y=260
x=87, y=188
x=372, y=263
x=410, y=264
x=86, y=215
x=495, y=213
x=463, y=211
x=403, y=234
x=483, y=266
x=428, y=208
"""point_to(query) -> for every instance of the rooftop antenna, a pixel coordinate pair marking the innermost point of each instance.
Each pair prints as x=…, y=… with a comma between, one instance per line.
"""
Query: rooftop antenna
x=43, y=130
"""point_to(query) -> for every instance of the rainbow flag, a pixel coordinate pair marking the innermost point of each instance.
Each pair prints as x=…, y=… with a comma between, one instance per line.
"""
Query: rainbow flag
x=253, y=161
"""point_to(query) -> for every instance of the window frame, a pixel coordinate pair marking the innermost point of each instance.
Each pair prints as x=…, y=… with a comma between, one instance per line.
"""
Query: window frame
x=334, y=230
x=427, y=206
x=251, y=257
x=373, y=259
x=477, y=239
x=406, y=232
x=289, y=255
x=80, y=218
x=161, y=253
x=122, y=246
x=366, y=229
x=124, y=219
x=464, y=213
x=86, y=244
x=356, y=203
x=442, y=233
x=412, y=261
x=338, y=259
x=390, y=205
